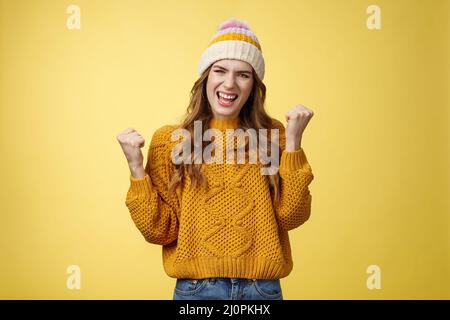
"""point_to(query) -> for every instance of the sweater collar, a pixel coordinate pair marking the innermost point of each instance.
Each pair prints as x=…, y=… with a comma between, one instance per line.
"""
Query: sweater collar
x=224, y=123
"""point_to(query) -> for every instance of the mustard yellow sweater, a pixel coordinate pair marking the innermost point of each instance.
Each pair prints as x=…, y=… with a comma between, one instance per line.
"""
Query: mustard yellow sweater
x=230, y=229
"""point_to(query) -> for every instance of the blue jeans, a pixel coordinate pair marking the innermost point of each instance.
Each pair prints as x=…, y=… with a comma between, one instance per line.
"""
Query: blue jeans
x=227, y=289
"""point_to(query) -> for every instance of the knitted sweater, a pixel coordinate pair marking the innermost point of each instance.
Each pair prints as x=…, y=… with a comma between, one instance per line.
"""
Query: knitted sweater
x=231, y=229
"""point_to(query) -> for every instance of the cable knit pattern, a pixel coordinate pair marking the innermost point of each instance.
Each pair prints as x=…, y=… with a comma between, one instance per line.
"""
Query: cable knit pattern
x=230, y=229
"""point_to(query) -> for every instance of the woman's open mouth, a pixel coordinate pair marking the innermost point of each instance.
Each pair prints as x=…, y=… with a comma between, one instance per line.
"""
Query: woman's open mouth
x=226, y=100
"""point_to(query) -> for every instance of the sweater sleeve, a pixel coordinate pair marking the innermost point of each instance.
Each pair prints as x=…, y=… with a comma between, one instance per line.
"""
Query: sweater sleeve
x=154, y=211
x=294, y=207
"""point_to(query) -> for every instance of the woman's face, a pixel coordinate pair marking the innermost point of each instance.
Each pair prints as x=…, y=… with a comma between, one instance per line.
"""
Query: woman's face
x=228, y=87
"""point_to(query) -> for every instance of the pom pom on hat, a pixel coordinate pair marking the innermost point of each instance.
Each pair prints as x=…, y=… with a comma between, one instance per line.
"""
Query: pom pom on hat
x=234, y=40
x=233, y=23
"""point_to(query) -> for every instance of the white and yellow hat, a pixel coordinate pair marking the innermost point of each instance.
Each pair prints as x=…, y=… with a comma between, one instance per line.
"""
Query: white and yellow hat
x=234, y=40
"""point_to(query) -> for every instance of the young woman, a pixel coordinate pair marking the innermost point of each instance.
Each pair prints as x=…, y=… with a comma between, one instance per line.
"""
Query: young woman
x=223, y=226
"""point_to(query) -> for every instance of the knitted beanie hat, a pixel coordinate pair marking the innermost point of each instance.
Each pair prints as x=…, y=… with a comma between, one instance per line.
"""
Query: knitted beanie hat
x=234, y=40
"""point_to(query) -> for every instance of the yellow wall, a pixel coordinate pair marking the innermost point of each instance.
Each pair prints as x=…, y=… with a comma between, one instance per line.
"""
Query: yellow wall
x=378, y=142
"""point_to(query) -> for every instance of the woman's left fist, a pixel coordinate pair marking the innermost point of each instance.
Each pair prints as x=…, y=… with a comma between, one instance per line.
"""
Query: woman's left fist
x=297, y=119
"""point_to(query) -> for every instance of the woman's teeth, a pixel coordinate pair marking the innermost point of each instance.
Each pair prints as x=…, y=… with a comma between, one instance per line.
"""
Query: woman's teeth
x=227, y=96
x=225, y=99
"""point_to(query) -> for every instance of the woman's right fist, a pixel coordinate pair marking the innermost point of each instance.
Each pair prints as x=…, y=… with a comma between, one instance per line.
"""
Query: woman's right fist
x=131, y=142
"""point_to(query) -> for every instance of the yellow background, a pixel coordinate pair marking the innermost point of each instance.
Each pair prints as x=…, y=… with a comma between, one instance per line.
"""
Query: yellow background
x=378, y=142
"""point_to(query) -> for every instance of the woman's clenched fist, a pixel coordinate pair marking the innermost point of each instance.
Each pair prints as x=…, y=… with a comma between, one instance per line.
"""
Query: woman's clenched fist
x=131, y=142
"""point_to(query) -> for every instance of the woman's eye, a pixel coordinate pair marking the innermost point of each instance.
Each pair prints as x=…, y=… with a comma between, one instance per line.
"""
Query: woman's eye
x=242, y=74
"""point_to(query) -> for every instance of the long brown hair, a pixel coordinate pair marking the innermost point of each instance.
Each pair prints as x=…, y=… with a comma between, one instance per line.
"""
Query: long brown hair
x=252, y=115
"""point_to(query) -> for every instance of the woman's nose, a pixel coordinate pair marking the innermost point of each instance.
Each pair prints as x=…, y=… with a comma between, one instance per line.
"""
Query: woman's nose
x=229, y=81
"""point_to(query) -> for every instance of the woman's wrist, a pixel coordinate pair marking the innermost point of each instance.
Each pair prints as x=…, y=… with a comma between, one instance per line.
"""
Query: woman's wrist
x=293, y=144
x=137, y=171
